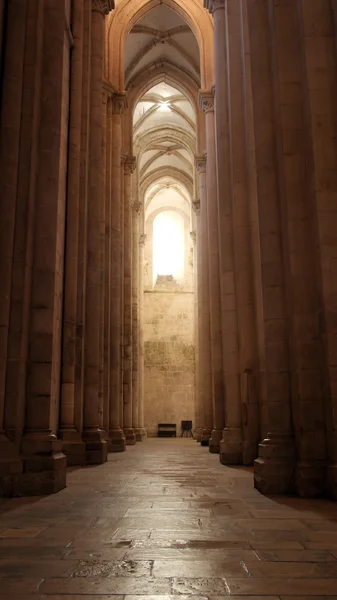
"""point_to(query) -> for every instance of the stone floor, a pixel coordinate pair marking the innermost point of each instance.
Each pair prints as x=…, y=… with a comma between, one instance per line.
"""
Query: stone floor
x=161, y=520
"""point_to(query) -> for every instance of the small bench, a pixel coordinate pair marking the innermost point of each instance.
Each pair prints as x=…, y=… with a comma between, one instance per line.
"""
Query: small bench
x=167, y=430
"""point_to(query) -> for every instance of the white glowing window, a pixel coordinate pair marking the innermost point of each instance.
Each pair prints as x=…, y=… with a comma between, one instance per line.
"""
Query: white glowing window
x=168, y=245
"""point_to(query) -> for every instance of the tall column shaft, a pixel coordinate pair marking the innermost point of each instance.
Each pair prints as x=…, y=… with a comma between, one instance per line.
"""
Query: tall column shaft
x=116, y=107
x=204, y=320
x=218, y=389
x=319, y=69
x=199, y=407
x=121, y=342
x=274, y=468
x=142, y=241
x=129, y=166
x=136, y=211
x=306, y=348
x=18, y=171
x=96, y=446
x=231, y=446
x=104, y=388
x=40, y=446
x=240, y=350
x=11, y=106
x=71, y=436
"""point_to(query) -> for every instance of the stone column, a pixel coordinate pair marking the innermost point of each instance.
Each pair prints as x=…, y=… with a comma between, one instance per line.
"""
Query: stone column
x=240, y=351
x=204, y=319
x=116, y=107
x=319, y=71
x=136, y=211
x=12, y=72
x=129, y=167
x=96, y=446
x=274, y=468
x=218, y=390
x=19, y=126
x=142, y=242
x=44, y=462
x=104, y=385
x=121, y=383
x=73, y=445
x=231, y=445
x=199, y=409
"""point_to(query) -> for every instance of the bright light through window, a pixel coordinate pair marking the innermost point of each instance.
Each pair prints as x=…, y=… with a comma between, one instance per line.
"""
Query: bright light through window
x=168, y=245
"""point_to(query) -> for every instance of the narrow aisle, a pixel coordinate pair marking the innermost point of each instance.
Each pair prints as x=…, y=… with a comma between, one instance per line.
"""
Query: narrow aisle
x=165, y=518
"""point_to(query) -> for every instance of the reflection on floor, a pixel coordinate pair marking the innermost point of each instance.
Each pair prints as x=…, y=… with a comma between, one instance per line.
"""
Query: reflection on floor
x=165, y=518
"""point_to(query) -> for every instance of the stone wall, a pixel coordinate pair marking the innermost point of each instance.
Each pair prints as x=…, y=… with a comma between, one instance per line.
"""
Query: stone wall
x=169, y=358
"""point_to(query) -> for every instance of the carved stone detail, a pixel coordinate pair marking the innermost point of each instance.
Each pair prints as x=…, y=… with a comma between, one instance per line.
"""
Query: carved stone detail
x=193, y=236
x=129, y=165
x=142, y=239
x=196, y=207
x=206, y=100
x=103, y=6
x=137, y=207
x=119, y=103
x=201, y=163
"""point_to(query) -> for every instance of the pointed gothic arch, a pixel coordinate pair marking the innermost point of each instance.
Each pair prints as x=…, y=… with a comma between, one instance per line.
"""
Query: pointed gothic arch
x=127, y=14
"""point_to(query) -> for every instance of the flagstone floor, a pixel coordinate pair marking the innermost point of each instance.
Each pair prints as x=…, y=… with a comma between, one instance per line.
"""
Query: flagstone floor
x=161, y=520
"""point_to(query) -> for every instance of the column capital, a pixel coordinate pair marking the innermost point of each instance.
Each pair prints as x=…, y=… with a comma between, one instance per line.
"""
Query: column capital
x=142, y=239
x=137, y=207
x=102, y=6
x=129, y=164
x=119, y=102
x=213, y=5
x=201, y=163
x=206, y=100
x=196, y=207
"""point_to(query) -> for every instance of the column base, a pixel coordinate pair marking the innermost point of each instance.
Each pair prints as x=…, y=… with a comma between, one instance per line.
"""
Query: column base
x=214, y=441
x=44, y=465
x=274, y=469
x=96, y=448
x=205, y=437
x=10, y=468
x=310, y=479
x=197, y=434
x=231, y=446
x=130, y=436
x=144, y=433
x=249, y=452
x=116, y=441
x=138, y=434
x=73, y=447
x=331, y=481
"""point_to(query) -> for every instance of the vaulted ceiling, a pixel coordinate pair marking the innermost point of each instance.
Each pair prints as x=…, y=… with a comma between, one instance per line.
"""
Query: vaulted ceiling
x=164, y=120
x=161, y=36
x=164, y=142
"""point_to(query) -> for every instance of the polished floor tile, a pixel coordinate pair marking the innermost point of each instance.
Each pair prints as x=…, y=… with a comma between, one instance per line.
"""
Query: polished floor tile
x=162, y=520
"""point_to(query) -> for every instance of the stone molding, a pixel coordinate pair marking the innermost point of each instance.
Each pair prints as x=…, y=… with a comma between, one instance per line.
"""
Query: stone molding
x=103, y=6
x=213, y=5
x=119, y=102
x=129, y=165
x=196, y=207
x=201, y=164
x=206, y=100
x=142, y=239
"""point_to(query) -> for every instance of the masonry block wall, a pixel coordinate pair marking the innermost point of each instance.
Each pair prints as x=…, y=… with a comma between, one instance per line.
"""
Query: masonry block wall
x=169, y=358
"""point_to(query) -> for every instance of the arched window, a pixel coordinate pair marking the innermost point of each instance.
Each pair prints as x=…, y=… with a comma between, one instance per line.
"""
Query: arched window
x=168, y=245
